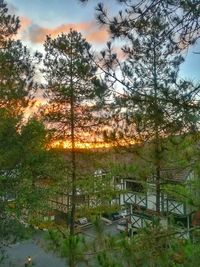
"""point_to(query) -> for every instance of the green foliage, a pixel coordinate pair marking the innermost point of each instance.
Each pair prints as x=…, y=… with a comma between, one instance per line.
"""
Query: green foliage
x=39, y=176
x=70, y=74
x=71, y=89
x=16, y=83
x=152, y=247
x=9, y=24
x=183, y=18
x=17, y=68
x=27, y=170
x=155, y=107
x=62, y=243
x=9, y=140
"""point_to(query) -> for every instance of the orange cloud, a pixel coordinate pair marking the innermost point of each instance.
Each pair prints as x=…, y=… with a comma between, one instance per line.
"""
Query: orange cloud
x=98, y=35
x=92, y=33
x=24, y=23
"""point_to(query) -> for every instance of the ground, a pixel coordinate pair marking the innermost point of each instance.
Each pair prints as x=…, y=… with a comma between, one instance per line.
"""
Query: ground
x=19, y=252
x=34, y=247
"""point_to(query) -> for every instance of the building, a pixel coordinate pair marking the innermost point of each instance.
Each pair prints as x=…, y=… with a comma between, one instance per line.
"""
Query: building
x=139, y=198
x=96, y=194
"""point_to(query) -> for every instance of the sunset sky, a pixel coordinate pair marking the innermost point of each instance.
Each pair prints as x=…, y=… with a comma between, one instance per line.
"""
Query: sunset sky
x=42, y=17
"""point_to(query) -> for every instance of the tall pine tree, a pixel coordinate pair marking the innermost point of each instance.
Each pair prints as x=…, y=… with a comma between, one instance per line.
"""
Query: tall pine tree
x=70, y=76
x=151, y=102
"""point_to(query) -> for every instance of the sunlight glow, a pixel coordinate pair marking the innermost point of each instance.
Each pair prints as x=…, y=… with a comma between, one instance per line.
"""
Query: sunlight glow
x=89, y=145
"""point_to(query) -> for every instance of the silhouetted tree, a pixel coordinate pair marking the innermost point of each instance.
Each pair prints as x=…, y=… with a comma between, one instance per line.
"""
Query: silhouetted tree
x=71, y=90
x=151, y=101
x=183, y=18
x=17, y=68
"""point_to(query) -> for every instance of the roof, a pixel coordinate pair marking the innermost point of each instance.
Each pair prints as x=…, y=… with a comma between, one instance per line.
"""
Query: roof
x=179, y=175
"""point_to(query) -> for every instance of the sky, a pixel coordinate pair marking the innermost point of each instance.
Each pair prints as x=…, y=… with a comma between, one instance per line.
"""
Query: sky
x=42, y=17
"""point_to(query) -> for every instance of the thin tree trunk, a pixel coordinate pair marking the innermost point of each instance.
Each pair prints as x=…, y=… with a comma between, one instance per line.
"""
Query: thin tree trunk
x=156, y=129
x=73, y=166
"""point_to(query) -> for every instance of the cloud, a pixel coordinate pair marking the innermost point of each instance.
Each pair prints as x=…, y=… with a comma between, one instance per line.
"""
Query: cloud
x=98, y=35
x=90, y=31
x=24, y=23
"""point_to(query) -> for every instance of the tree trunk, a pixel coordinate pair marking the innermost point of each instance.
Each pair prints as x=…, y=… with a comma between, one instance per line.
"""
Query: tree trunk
x=73, y=166
x=156, y=129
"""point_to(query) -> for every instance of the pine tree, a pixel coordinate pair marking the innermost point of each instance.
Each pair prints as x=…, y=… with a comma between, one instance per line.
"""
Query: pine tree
x=152, y=103
x=16, y=84
x=17, y=68
x=70, y=75
x=183, y=18
x=9, y=25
